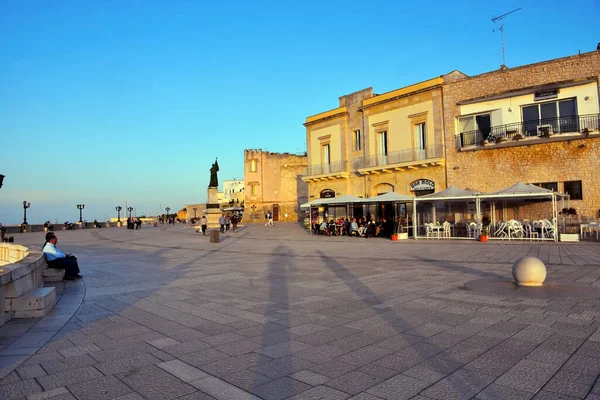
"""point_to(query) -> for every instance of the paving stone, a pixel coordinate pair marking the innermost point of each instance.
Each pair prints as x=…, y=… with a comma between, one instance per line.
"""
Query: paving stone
x=321, y=393
x=67, y=364
x=79, y=350
x=202, y=357
x=222, y=390
x=378, y=371
x=31, y=371
x=333, y=369
x=364, y=356
x=528, y=375
x=567, y=387
x=121, y=352
x=183, y=371
x=283, y=349
x=499, y=392
x=196, y=396
x=69, y=377
x=460, y=384
x=432, y=370
x=103, y=388
x=545, y=395
x=354, y=382
x=309, y=377
x=186, y=348
x=11, y=378
x=19, y=389
x=320, y=354
x=400, y=387
x=280, y=389
x=281, y=367
x=154, y=383
x=234, y=364
x=240, y=347
x=367, y=396
x=163, y=342
x=126, y=364
x=246, y=379
x=58, y=393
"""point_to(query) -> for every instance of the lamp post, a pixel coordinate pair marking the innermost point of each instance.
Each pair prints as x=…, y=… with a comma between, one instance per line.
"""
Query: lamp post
x=80, y=207
x=1, y=179
x=167, y=209
x=130, y=209
x=26, y=205
x=195, y=208
x=118, y=208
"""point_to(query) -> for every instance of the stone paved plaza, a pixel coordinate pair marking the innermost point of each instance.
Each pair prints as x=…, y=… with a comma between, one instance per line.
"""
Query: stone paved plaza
x=274, y=313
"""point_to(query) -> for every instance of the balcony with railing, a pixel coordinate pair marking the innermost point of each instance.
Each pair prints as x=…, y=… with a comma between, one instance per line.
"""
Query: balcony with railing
x=400, y=160
x=529, y=130
x=335, y=170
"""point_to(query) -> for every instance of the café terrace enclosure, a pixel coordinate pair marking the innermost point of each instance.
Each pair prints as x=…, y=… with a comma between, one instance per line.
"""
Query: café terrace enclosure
x=465, y=208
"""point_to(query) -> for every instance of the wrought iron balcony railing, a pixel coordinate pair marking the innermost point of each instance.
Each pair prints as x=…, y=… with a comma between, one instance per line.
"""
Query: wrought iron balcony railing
x=398, y=157
x=541, y=127
x=332, y=168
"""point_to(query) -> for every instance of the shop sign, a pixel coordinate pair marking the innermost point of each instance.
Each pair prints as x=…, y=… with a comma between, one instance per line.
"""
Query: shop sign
x=422, y=184
x=547, y=94
x=327, y=194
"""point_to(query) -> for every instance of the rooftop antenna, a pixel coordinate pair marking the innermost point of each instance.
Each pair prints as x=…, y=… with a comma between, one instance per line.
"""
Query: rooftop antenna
x=501, y=29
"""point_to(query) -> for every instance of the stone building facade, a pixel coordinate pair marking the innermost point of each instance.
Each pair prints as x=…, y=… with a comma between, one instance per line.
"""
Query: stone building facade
x=233, y=189
x=373, y=144
x=273, y=183
x=535, y=123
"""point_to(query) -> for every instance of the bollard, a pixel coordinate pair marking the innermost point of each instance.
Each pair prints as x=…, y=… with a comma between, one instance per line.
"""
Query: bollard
x=214, y=236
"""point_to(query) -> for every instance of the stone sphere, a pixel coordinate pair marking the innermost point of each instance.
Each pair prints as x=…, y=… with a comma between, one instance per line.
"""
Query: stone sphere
x=529, y=271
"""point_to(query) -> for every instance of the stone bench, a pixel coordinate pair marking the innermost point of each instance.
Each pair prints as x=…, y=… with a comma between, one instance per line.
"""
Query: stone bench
x=22, y=294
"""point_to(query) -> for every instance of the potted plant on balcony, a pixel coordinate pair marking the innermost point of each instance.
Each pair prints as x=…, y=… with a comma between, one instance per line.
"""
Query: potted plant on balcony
x=585, y=132
x=517, y=137
x=500, y=139
x=483, y=142
x=545, y=131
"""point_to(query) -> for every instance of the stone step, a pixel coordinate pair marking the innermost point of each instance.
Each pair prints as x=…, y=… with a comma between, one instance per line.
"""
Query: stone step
x=34, y=304
x=53, y=275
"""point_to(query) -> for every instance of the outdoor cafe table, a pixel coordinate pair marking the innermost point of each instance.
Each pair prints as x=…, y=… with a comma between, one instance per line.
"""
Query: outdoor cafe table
x=592, y=227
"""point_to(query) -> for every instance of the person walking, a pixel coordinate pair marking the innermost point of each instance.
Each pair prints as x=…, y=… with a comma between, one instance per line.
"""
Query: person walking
x=267, y=219
x=222, y=222
x=203, y=224
x=234, y=222
x=270, y=218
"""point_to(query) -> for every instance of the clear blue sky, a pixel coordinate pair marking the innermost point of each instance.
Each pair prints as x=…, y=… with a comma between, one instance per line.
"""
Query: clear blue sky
x=106, y=101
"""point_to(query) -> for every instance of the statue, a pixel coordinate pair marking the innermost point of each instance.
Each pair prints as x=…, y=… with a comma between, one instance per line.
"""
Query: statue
x=214, y=182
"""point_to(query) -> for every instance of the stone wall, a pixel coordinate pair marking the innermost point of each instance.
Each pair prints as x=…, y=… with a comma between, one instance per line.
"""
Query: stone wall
x=278, y=183
x=22, y=270
x=558, y=159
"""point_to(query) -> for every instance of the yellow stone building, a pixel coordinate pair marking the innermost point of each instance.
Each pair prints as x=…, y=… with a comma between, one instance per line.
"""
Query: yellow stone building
x=273, y=183
x=373, y=144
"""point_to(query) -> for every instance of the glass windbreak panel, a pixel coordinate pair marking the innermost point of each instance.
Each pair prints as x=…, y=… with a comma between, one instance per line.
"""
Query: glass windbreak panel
x=531, y=119
x=568, y=121
x=484, y=125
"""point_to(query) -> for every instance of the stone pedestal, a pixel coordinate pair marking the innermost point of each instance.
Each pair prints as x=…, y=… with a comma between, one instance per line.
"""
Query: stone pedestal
x=213, y=208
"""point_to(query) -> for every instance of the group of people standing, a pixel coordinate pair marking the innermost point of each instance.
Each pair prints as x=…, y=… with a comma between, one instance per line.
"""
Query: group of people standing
x=228, y=221
x=134, y=223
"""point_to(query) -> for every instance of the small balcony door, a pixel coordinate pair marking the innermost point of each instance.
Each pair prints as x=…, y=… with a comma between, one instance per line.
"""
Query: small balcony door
x=421, y=141
x=382, y=148
x=326, y=159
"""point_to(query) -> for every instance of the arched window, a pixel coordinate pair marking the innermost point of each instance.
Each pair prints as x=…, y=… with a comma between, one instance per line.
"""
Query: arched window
x=382, y=188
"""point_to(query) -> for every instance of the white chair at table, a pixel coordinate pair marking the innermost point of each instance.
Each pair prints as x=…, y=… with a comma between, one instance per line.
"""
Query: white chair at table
x=473, y=230
x=501, y=230
x=429, y=229
x=515, y=229
x=594, y=226
x=446, y=226
x=530, y=232
x=547, y=229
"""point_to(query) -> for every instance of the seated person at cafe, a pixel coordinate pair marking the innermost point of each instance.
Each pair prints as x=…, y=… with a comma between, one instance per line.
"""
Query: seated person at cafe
x=354, y=227
x=323, y=228
x=59, y=260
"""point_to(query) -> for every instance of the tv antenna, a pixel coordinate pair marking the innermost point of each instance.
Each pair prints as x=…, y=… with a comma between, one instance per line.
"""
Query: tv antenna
x=501, y=29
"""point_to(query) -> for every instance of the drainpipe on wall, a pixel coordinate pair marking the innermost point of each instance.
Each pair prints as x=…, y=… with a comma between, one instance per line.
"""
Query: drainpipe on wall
x=444, y=139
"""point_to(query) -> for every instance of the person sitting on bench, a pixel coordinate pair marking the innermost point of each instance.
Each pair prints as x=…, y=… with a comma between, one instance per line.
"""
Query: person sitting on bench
x=59, y=260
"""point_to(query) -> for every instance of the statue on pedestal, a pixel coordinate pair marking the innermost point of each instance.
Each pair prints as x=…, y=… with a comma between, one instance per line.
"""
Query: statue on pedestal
x=214, y=182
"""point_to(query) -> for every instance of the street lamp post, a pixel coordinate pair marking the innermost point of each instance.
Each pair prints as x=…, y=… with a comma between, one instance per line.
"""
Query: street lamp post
x=26, y=205
x=80, y=207
x=130, y=209
x=167, y=209
x=118, y=208
x=195, y=208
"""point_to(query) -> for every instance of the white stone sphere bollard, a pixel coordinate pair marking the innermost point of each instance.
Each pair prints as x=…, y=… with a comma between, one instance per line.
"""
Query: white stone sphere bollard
x=529, y=271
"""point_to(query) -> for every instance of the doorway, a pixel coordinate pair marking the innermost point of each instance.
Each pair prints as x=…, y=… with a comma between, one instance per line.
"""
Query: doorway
x=275, y=212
